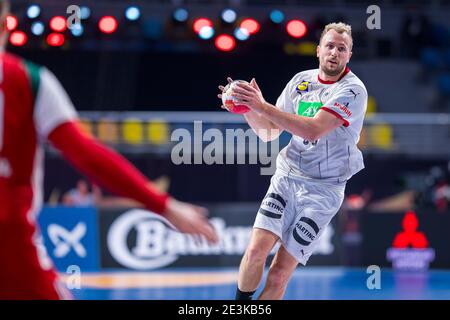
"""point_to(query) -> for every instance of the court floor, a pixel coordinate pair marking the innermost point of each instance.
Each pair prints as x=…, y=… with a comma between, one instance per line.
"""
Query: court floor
x=308, y=283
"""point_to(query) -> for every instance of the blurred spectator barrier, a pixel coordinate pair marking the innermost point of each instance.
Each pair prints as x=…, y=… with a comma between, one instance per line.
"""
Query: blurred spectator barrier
x=416, y=135
x=135, y=239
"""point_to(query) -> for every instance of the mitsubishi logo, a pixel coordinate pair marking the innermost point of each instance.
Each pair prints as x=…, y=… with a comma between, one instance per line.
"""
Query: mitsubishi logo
x=64, y=239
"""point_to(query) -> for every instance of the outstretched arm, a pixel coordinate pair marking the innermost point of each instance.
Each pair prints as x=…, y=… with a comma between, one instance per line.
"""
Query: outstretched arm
x=109, y=169
x=55, y=119
x=106, y=167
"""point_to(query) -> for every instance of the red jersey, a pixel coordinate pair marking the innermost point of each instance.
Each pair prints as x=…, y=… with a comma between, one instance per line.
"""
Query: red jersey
x=33, y=108
x=32, y=104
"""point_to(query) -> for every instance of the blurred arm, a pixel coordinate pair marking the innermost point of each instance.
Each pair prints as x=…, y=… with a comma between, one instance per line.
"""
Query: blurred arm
x=106, y=167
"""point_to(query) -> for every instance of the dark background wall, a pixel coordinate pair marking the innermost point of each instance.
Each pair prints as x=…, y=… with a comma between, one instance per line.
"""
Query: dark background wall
x=244, y=183
x=124, y=80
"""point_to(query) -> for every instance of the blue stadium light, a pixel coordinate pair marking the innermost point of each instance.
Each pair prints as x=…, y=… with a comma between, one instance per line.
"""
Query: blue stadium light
x=77, y=30
x=132, y=13
x=180, y=15
x=241, y=34
x=37, y=28
x=277, y=16
x=206, y=33
x=229, y=15
x=33, y=11
x=85, y=13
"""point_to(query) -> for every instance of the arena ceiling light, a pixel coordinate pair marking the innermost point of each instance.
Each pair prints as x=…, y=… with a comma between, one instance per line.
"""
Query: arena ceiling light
x=296, y=28
x=251, y=25
x=241, y=34
x=180, y=15
x=11, y=23
x=55, y=39
x=276, y=16
x=33, y=11
x=37, y=28
x=85, y=13
x=132, y=13
x=228, y=16
x=18, y=38
x=58, y=24
x=77, y=30
x=206, y=32
x=225, y=43
x=200, y=23
x=108, y=24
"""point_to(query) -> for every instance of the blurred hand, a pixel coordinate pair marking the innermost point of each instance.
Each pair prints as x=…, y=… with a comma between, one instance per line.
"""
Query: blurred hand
x=190, y=219
x=221, y=88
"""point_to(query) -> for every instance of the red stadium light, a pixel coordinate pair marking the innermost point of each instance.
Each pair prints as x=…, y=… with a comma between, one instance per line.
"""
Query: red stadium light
x=251, y=25
x=296, y=28
x=225, y=42
x=55, y=39
x=11, y=23
x=200, y=23
x=58, y=24
x=18, y=38
x=108, y=24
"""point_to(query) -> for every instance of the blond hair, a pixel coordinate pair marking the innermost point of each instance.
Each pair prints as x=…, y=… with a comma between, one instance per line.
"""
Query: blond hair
x=339, y=27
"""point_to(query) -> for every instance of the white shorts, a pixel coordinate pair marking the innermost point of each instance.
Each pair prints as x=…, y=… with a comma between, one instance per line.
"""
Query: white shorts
x=297, y=211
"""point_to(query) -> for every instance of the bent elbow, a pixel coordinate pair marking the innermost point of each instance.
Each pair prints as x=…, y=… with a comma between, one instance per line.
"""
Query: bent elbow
x=269, y=135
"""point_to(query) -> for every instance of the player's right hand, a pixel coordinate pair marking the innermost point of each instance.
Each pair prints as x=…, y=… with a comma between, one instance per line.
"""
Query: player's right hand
x=190, y=219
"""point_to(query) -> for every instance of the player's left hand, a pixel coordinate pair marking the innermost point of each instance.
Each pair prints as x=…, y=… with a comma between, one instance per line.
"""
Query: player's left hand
x=191, y=219
x=250, y=95
x=222, y=88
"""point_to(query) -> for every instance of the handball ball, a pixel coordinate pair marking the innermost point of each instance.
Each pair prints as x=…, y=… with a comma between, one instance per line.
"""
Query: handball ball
x=230, y=102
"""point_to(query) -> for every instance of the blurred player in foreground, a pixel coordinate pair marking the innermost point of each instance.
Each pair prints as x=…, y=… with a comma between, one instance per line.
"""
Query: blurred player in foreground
x=324, y=110
x=35, y=108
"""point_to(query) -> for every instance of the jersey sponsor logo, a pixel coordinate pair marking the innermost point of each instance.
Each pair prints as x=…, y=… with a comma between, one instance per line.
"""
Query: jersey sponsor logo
x=64, y=240
x=302, y=87
x=308, y=108
x=5, y=168
x=344, y=108
x=272, y=206
x=305, y=231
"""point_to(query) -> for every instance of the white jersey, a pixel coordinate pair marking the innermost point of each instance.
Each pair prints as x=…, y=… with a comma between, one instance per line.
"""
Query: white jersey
x=335, y=157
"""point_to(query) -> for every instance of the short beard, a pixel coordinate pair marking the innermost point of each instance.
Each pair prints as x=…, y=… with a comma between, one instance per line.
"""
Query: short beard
x=332, y=73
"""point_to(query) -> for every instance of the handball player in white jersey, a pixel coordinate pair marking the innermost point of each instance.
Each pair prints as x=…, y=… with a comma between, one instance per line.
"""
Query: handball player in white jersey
x=324, y=110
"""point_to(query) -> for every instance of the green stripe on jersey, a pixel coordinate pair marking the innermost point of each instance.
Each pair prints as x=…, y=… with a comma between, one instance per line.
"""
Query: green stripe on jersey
x=308, y=109
x=35, y=78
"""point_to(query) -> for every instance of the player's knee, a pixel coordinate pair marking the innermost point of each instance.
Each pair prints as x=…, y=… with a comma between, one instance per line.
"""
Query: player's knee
x=277, y=277
x=255, y=255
